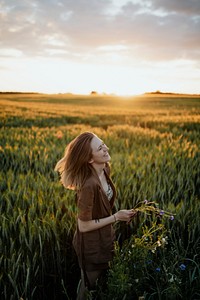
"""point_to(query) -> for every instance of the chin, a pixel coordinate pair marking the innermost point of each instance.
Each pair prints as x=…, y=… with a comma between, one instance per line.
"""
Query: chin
x=108, y=159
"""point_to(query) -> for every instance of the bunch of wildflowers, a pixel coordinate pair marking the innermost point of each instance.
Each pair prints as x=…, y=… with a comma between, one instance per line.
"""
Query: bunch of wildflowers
x=152, y=238
x=148, y=207
x=140, y=257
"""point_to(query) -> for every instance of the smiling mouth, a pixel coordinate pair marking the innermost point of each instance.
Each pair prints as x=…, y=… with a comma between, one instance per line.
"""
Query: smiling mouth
x=107, y=154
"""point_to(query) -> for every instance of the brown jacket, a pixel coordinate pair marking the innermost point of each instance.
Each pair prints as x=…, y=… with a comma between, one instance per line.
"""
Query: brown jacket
x=94, y=248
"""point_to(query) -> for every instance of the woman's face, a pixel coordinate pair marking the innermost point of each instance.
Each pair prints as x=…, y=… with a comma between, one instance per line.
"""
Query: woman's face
x=100, y=153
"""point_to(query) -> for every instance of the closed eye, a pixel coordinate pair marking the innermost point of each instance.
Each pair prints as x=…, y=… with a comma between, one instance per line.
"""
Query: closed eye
x=101, y=146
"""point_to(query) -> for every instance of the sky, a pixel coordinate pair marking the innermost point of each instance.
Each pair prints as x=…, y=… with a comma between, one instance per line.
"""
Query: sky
x=109, y=46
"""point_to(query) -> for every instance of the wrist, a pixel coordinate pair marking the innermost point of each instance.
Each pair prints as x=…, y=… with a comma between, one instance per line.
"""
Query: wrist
x=115, y=219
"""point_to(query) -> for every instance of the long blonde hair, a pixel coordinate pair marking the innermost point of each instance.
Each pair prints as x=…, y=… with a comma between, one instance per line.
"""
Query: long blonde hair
x=74, y=167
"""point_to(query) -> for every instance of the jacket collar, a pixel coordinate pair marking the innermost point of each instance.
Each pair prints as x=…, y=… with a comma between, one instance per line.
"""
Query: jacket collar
x=108, y=204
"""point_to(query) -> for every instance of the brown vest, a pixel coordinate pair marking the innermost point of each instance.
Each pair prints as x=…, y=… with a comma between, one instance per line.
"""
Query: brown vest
x=94, y=247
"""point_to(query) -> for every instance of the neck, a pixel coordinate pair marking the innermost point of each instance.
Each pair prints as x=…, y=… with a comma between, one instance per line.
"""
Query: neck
x=99, y=169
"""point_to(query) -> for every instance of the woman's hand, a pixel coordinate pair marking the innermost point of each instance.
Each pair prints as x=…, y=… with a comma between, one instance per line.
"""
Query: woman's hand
x=125, y=215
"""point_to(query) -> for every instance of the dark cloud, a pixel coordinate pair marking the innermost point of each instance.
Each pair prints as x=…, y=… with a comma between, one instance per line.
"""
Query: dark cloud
x=158, y=29
x=187, y=7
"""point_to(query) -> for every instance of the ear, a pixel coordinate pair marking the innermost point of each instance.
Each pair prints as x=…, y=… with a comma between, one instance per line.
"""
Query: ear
x=91, y=161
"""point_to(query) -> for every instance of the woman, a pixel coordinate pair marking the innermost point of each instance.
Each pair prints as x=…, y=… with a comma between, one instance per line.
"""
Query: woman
x=85, y=168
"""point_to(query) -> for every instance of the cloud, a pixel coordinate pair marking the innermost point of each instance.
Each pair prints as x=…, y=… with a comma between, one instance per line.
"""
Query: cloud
x=185, y=7
x=79, y=30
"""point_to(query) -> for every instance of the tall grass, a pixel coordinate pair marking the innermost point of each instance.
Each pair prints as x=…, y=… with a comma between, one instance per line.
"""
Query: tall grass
x=154, y=145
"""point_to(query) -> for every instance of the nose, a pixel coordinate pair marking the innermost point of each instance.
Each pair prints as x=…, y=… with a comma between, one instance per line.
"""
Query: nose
x=105, y=147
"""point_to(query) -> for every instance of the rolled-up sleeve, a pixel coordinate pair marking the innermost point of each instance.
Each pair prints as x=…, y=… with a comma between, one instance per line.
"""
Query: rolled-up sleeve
x=85, y=203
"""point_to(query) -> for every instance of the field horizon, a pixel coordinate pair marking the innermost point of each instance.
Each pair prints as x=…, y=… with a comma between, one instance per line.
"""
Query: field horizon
x=93, y=93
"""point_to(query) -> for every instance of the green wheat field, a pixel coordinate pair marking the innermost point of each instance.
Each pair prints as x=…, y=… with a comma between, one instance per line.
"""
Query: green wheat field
x=154, y=145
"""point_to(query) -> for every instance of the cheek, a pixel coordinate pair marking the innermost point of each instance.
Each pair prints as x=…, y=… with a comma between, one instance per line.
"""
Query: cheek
x=93, y=156
x=97, y=156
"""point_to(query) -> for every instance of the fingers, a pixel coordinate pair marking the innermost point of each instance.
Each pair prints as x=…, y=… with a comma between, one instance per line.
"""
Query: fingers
x=126, y=215
x=133, y=213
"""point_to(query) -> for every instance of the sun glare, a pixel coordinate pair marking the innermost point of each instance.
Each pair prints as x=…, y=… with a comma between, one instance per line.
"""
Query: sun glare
x=61, y=76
